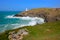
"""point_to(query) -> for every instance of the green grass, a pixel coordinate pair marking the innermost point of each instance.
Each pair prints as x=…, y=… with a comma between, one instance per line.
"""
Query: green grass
x=46, y=31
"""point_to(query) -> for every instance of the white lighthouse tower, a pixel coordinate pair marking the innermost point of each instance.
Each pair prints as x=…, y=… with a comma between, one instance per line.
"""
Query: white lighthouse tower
x=26, y=9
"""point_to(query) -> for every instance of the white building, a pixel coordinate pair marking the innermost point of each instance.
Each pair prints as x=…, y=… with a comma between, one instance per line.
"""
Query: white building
x=26, y=9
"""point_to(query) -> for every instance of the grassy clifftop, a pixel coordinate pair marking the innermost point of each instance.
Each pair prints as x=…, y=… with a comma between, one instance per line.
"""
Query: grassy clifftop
x=47, y=10
x=46, y=31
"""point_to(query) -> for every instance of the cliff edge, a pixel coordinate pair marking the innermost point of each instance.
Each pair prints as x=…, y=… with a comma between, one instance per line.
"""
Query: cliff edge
x=49, y=14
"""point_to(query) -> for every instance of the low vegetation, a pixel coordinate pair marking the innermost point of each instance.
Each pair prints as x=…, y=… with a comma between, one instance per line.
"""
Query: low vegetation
x=46, y=31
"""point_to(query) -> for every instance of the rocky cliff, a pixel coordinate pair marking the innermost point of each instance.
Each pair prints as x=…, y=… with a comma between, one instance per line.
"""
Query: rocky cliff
x=49, y=14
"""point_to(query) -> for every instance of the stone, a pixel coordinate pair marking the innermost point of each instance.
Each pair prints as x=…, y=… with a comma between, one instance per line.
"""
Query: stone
x=19, y=35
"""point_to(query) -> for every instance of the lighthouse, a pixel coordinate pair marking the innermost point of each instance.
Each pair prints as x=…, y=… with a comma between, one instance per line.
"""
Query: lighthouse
x=26, y=9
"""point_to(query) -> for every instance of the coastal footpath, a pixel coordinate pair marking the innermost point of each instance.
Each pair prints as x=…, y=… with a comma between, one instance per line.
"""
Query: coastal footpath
x=49, y=14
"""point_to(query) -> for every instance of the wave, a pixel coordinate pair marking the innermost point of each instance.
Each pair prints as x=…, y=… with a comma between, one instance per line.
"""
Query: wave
x=33, y=21
x=24, y=18
x=9, y=16
x=12, y=16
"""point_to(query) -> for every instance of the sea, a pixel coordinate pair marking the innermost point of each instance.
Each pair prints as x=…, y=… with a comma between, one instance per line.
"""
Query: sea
x=9, y=22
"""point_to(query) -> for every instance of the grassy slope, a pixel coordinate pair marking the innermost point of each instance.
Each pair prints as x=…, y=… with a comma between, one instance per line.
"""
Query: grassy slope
x=46, y=31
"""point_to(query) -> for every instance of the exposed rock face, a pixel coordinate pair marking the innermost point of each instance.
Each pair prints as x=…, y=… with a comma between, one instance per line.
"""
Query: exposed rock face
x=19, y=35
x=49, y=14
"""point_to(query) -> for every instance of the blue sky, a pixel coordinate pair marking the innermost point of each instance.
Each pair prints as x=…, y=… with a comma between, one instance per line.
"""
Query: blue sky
x=18, y=5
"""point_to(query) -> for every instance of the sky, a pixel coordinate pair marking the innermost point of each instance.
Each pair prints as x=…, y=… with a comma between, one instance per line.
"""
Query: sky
x=18, y=5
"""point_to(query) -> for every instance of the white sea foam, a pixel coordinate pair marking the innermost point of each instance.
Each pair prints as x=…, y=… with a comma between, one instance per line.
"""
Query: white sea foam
x=34, y=21
x=9, y=16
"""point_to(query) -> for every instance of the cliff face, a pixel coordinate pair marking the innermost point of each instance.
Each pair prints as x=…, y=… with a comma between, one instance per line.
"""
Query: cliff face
x=49, y=14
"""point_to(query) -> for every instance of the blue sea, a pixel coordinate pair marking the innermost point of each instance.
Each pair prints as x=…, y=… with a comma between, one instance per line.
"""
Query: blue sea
x=8, y=22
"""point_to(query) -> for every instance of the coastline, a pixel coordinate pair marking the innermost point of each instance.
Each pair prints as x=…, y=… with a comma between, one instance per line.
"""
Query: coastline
x=43, y=30
x=46, y=25
x=49, y=14
x=34, y=20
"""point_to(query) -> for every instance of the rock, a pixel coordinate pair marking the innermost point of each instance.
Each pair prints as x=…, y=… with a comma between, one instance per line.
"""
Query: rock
x=18, y=15
x=23, y=31
x=49, y=14
x=58, y=17
x=19, y=35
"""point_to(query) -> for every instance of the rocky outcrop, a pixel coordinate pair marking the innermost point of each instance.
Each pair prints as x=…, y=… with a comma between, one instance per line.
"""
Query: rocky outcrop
x=18, y=35
x=49, y=14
